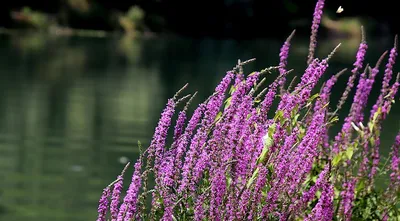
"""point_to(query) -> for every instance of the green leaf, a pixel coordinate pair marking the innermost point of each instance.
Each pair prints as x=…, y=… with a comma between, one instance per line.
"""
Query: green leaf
x=314, y=179
x=308, y=179
x=318, y=193
x=326, y=105
x=372, y=140
x=228, y=180
x=271, y=129
x=227, y=103
x=278, y=115
x=337, y=159
x=360, y=185
x=295, y=119
x=253, y=177
x=349, y=152
x=334, y=119
x=313, y=97
x=268, y=141
x=270, y=169
x=371, y=124
x=253, y=73
x=232, y=89
x=337, y=192
x=219, y=115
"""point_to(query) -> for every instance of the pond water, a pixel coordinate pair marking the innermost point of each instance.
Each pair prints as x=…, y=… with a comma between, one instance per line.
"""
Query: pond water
x=72, y=109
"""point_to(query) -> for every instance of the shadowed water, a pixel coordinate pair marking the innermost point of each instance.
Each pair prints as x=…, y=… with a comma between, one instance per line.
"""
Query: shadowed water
x=72, y=109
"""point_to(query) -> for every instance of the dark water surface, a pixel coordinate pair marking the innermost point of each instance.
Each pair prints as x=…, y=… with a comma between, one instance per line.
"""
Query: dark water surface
x=72, y=109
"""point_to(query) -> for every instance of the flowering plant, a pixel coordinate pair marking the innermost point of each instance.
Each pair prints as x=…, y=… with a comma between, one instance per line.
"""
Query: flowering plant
x=237, y=159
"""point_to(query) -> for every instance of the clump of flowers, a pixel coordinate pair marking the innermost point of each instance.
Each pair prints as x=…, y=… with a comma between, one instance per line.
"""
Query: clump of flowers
x=235, y=158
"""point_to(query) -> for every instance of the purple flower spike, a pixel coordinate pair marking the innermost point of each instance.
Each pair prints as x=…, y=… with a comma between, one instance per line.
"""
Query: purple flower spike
x=103, y=204
x=386, y=78
x=283, y=56
x=129, y=207
x=347, y=199
x=314, y=29
x=114, y=207
x=323, y=211
x=395, y=164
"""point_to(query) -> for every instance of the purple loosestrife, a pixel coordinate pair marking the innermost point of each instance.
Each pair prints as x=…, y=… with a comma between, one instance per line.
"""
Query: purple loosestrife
x=200, y=137
x=257, y=192
x=114, y=207
x=236, y=150
x=375, y=159
x=103, y=204
x=233, y=114
x=303, y=89
x=283, y=56
x=118, y=186
x=254, y=142
x=301, y=162
x=157, y=145
x=171, y=163
x=342, y=138
x=356, y=115
x=167, y=182
x=227, y=141
x=323, y=211
x=314, y=29
x=237, y=135
x=390, y=97
x=231, y=161
x=204, y=158
x=326, y=91
x=365, y=161
x=198, y=208
x=248, y=146
x=347, y=198
x=395, y=165
x=267, y=102
x=281, y=165
x=362, y=96
x=243, y=205
x=218, y=187
x=128, y=208
x=185, y=139
x=389, y=65
x=314, y=75
x=358, y=64
x=324, y=99
x=362, y=50
x=160, y=136
x=376, y=145
x=309, y=195
x=180, y=123
x=386, y=78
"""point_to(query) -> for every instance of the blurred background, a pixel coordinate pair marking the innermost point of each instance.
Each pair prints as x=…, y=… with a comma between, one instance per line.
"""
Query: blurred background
x=81, y=81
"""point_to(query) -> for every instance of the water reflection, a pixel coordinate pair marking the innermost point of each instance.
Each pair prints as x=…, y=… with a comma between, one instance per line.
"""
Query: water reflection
x=72, y=109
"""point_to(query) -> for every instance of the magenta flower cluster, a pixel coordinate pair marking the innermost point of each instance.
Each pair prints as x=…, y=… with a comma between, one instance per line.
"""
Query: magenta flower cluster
x=236, y=158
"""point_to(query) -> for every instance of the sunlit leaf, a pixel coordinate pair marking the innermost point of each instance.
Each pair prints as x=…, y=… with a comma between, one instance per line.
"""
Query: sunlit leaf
x=336, y=159
x=349, y=152
x=253, y=177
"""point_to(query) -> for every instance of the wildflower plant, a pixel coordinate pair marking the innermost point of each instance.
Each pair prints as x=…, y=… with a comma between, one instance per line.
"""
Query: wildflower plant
x=236, y=158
